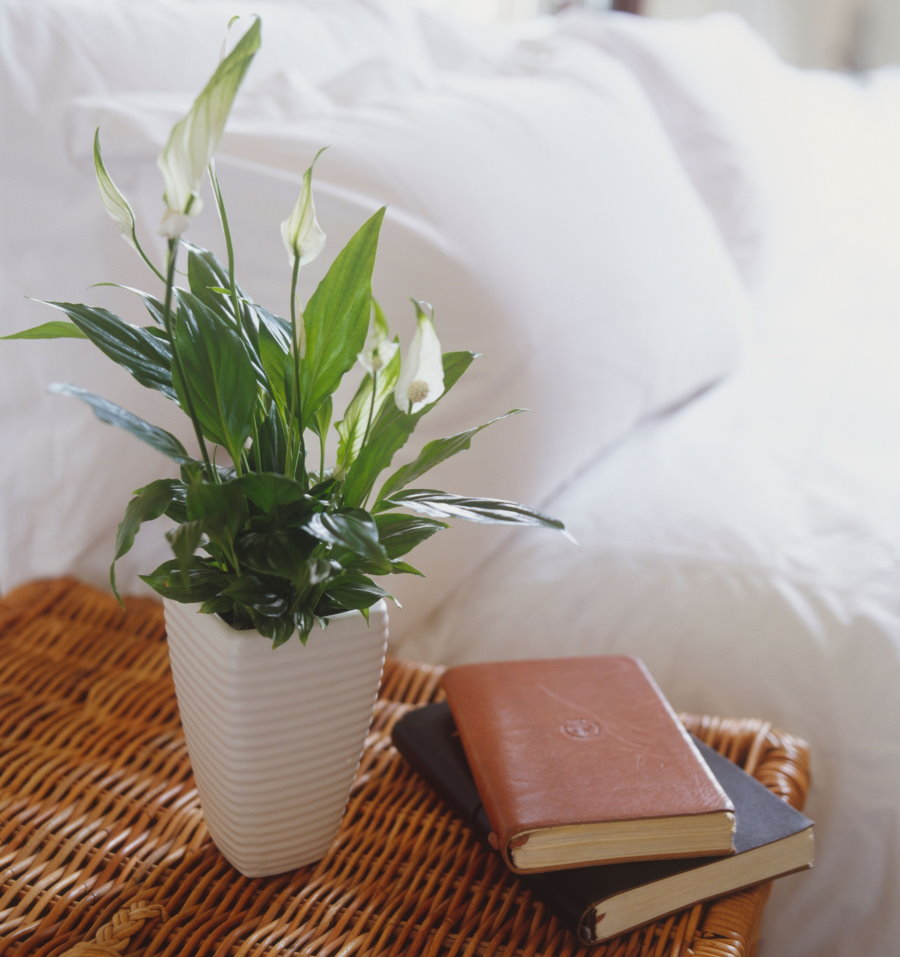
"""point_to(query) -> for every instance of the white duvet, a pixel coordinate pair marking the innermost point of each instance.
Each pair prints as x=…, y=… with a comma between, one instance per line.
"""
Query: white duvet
x=681, y=254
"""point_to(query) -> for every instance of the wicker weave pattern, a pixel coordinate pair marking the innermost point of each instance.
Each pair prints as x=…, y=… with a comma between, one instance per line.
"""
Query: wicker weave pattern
x=104, y=853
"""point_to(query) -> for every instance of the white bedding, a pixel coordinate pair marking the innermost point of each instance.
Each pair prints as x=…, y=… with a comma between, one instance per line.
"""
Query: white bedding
x=747, y=546
x=696, y=292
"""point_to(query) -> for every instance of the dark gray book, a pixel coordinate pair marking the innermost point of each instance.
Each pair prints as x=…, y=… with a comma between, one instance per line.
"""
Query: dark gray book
x=771, y=839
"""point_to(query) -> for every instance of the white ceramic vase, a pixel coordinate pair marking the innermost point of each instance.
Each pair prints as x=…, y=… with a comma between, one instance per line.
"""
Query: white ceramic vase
x=274, y=735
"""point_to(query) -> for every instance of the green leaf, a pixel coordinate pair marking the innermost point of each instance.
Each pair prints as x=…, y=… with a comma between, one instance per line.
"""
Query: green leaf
x=400, y=534
x=390, y=432
x=113, y=414
x=198, y=581
x=433, y=454
x=279, y=630
x=402, y=568
x=148, y=503
x=219, y=508
x=437, y=504
x=185, y=540
x=279, y=328
x=352, y=529
x=280, y=551
x=351, y=429
x=270, y=443
x=50, y=330
x=146, y=356
x=157, y=311
x=322, y=419
x=336, y=318
x=257, y=594
x=220, y=378
x=208, y=280
x=349, y=593
x=268, y=490
x=276, y=362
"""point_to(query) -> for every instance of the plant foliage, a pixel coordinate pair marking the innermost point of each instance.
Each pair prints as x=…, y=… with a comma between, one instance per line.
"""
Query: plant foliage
x=262, y=532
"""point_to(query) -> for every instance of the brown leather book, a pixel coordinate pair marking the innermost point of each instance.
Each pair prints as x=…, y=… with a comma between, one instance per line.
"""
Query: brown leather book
x=582, y=761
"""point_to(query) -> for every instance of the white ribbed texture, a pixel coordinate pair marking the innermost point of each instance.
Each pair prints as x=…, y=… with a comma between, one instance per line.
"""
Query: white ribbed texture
x=274, y=735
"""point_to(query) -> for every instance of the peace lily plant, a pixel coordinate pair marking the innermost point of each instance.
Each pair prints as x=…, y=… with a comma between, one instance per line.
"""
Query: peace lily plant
x=266, y=534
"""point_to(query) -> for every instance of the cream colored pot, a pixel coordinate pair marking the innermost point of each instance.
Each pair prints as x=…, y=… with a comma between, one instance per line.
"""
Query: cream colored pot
x=274, y=735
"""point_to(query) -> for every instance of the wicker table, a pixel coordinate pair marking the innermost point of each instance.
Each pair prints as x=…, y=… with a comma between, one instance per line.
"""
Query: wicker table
x=103, y=850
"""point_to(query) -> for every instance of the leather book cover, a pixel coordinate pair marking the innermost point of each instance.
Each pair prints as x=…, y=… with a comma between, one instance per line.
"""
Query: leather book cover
x=771, y=839
x=582, y=761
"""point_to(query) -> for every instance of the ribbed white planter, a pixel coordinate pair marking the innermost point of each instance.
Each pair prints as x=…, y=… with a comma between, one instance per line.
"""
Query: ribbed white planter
x=274, y=735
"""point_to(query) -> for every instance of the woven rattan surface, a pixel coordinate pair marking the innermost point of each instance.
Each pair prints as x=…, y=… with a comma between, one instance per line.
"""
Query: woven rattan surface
x=103, y=850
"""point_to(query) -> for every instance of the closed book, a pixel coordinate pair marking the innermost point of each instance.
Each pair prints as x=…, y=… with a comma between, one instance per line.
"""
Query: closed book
x=771, y=839
x=583, y=761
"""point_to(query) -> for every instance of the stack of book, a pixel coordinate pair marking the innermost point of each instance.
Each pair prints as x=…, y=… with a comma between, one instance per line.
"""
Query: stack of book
x=579, y=774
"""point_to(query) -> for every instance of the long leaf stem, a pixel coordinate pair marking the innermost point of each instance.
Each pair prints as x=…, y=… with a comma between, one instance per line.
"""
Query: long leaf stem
x=147, y=261
x=298, y=455
x=229, y=246
x=371, y=408
x=170, y=332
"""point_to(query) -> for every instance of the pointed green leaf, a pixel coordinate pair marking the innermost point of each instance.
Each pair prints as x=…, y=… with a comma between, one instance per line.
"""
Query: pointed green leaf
x=400, y=534
x=198, y=581
x=336, y=318
x=146, y=356
x=209, y=281
x=220, y=379
x=49, y=330
x=270, y=443
x=433, y=454
x=148, y=503
x=113, y=414
x=403, y=568
x=352, y=529
x=276, y=362
x=348, y=593
x=281, y=630
x=437, y=504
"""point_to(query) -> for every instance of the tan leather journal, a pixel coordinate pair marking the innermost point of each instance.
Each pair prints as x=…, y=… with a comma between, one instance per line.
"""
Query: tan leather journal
x=583, y=761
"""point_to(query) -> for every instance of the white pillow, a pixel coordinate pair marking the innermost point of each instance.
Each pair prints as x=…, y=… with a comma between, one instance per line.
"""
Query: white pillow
x=682, y=66
x=71, y=47
x=547, y=219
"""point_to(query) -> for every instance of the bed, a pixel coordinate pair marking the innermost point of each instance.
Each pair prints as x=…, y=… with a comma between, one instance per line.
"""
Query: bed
x=680, y=253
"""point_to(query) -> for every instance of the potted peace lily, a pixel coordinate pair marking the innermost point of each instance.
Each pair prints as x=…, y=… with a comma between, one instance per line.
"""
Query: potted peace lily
x=269, y=539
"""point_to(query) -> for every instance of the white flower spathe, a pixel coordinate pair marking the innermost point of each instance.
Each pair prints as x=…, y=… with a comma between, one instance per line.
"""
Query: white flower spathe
x=421, y=379
x=303, y=236
x=379, y=348
x=114, y=202
x=195, y=137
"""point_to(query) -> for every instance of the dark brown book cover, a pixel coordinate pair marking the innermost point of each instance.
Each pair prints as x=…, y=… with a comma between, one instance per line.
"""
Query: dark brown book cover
x=583, y=761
